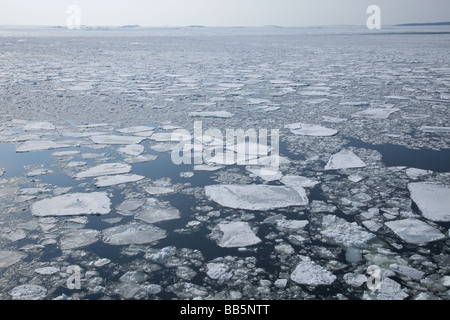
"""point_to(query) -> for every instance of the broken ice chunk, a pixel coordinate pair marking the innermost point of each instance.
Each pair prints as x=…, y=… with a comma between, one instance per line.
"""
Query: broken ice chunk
x=305, y=129
x=216, y=270
x=135, y=129
x=344, y=160
x=133, y=233
x=46, y=271
x=104, y=170
x=255, y=197
x=415, y=173
x=73, y=204
x=39, y=172
x=113, y=139
x=432, y=199
x=310, y=273
x=236, y=234
x=407, y=271
x=108, y=181
x=415, y=231
x=141, y=158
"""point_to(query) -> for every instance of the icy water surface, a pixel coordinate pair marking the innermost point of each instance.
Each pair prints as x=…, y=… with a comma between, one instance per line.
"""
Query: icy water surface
x=87, y=180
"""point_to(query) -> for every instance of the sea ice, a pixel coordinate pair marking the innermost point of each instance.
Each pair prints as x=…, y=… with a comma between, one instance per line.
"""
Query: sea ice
x=108, y=181
x=133, y=233
x=308, y=272
x=255, y=197
x=298, y=181
x=305, y=129
x=236, y=234
x=113, y=139
x=415, y=231
x=432, y=199
x=135, y=129
x=47, y=271
x=104, y=170
x=216, y=270
x=73, y=204
x=344, y=160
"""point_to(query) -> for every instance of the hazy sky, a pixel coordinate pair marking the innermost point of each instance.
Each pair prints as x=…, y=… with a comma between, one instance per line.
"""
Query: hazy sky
x=221, y=12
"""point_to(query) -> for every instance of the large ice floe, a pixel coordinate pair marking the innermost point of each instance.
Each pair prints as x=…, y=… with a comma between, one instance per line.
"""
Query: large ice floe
x=305, y=129
x=433, y=200
x=255, y=197
x=104, y=170
x=236, y=234
x=132, y=233
x=97, y=203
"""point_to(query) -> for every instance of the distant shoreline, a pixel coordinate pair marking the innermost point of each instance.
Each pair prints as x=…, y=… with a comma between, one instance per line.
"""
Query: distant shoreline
x=423, y=24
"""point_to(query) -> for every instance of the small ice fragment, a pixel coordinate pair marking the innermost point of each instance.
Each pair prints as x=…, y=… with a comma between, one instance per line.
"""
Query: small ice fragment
x=429, y=129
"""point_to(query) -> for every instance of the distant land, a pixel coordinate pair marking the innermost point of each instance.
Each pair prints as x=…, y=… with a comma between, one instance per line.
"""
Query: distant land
x=423, y=24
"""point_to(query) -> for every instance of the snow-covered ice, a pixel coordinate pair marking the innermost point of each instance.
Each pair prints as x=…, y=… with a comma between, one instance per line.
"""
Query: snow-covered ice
x=115, y=139
x=305, y=129
x=133, y=233
x=108, y=181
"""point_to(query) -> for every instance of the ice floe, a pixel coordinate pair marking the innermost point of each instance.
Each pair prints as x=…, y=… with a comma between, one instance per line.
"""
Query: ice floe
x=307, y=272
x=429, y=129
x=8, y=258
x=113, y=139
x=255, y=197
x=108, y=181
x=236, y=234
x=305, y=129
x=132, y=149
x=78, y=239
x=95, y=203
x=133, y=233
x=376, y=113
x=155, y=211
x=415, y=231
x=28, y=292
x=212, y=114
x=40, y=145
x=104, y=170
x=344, y=160
x=432, y=199
x=339, y=231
